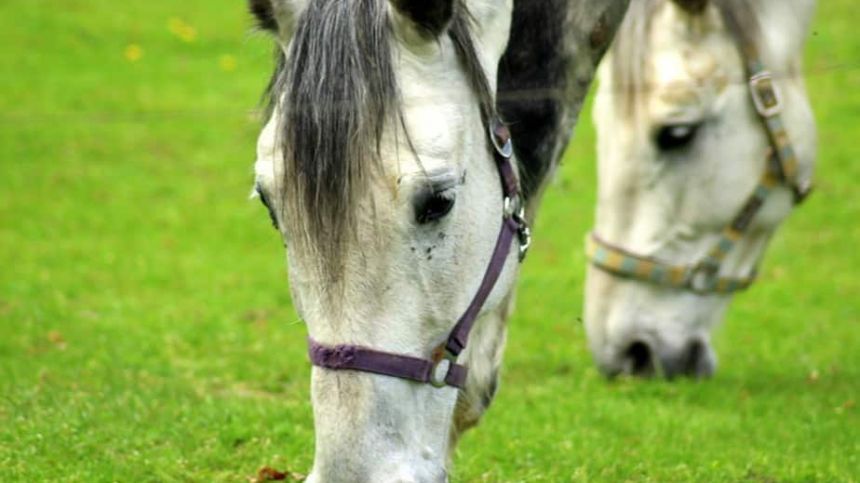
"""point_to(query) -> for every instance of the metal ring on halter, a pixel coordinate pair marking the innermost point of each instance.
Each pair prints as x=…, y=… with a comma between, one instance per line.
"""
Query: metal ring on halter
x=765, y=95
x=513, y=207
x=440, y=370
x=506, y=150
x=524, y=233
x=703, y=278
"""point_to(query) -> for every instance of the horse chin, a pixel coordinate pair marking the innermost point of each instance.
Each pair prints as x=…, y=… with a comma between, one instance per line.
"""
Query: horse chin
x=380, y=429
x=402, y=474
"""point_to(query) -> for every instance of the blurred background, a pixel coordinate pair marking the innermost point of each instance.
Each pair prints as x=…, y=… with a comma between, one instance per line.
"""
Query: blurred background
x=146, y=331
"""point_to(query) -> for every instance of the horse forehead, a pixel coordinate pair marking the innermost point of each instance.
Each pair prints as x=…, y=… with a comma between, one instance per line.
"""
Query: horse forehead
x=688, y=62
x=437, y=103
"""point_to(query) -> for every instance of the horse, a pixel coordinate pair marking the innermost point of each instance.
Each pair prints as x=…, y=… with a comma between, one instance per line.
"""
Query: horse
x=396, y=189
x=706, y=142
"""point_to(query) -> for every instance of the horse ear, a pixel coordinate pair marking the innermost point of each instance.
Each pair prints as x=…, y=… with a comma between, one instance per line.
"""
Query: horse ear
x=264, y=12
x=429, y=17
x=692, y=6
x=275, y=16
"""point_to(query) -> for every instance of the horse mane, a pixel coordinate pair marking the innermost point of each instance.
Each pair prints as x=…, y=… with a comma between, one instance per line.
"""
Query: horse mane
x=338, y=91
x=632, y=48
x=535, y=62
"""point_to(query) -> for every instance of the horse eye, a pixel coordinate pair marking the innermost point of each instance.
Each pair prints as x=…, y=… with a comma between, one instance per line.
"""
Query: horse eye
x=268, y=205
x=672, y=137
x=433, y=205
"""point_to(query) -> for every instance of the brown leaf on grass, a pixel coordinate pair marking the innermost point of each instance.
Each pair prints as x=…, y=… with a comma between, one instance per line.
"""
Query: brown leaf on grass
x=56, y=338
x=258, y=317
x=270, y=474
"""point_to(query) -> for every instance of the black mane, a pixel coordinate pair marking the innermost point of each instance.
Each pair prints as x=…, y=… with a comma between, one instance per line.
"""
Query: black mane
x=544, y=76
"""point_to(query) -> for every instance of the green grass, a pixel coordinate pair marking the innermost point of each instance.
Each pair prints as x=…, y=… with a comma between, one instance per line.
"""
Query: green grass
x=146, y=332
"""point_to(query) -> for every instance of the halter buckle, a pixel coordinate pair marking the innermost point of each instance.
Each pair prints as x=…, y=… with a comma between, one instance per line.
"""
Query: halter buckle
x=524, y=234
x=441, y=368
x=514, y=209
x=500, y=136
x=703, y=278
x=765, y=95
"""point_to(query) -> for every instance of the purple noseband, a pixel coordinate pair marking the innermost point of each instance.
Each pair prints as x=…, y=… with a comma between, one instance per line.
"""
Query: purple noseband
x=358, y=358
x=442, y=370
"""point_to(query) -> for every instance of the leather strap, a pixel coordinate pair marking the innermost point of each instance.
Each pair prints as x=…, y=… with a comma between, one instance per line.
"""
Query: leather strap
x=460, y=334
x=503, y=150
x=766, y=99
x=358, y=358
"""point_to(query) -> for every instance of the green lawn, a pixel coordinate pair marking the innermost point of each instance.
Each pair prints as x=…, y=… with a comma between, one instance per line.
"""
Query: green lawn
x=146, y=332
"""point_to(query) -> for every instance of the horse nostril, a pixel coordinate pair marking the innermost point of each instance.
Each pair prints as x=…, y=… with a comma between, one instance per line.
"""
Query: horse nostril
x=695, y=351
x=699, y=362
x=693, y=360
x=639, y=360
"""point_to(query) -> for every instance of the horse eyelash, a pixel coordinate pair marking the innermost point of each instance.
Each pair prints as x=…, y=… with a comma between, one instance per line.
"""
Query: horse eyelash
x=258, y=193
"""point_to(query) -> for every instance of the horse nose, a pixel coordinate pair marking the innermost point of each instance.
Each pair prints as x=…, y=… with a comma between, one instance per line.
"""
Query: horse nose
x=638, y=360
x=695, y=359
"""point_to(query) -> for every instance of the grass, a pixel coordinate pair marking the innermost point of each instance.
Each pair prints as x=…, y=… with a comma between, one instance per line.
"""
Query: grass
x=146, y=332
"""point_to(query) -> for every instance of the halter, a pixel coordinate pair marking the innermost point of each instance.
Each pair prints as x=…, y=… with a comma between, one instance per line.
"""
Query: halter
x=442, y=369
x=780, y=170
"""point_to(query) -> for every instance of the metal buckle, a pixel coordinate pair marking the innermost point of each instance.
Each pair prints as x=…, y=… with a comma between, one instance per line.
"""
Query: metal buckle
x=703, y=278
x=765, y=95
x=441, y=368
x=512, y=207
x=505, y=151
x=524, y=233
x=515, y=210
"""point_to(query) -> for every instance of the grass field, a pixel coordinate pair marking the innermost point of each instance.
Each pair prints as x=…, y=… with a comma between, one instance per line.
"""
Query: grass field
x=146, y=332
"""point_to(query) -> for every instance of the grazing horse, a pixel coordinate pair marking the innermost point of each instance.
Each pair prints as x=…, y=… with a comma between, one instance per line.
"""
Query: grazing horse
x=391, y=179
x=706, y=142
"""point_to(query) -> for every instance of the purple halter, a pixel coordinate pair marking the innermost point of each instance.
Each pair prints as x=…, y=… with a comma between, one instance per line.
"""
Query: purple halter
x=442, y=370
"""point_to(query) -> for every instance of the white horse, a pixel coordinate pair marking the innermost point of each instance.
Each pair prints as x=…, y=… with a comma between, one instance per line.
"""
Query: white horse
x=398, y=208
x=706, y=142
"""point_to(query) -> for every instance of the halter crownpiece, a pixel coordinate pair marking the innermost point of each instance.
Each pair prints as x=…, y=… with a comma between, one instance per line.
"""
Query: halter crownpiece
x=780, y=170
x=442, y=369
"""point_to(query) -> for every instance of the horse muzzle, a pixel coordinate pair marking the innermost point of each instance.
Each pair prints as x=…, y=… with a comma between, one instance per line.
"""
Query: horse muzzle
x=642, y=357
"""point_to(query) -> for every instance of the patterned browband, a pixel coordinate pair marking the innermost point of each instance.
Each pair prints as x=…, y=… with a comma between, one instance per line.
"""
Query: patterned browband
x=780, y=170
